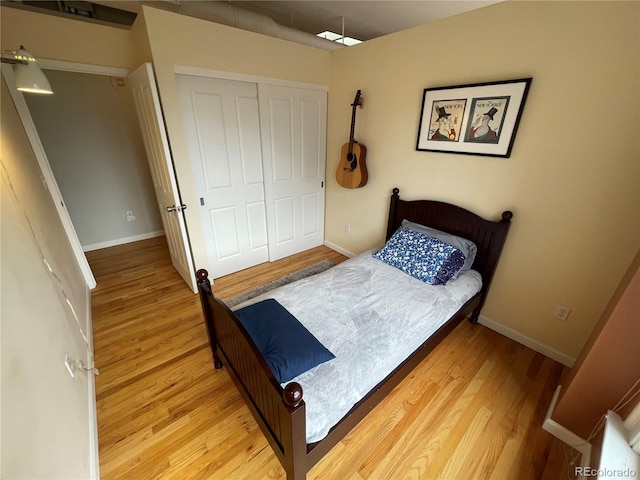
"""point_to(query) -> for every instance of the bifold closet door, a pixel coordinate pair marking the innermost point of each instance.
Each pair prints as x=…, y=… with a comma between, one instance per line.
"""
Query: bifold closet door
x=293, y=129
x=223, y=136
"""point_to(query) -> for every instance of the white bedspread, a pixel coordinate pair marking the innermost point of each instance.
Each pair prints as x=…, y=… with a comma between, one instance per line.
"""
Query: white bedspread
x=371, y=316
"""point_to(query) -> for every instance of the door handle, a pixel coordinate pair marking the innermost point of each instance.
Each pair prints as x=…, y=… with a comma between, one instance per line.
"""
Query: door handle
x=174, y=208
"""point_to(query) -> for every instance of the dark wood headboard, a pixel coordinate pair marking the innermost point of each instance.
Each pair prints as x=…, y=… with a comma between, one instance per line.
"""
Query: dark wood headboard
x=489, y=236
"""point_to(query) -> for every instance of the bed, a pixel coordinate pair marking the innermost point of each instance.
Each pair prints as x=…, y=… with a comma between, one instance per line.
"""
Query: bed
x=303, y=425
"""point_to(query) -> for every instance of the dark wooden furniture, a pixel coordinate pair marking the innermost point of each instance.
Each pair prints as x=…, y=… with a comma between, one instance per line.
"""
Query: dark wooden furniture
x=279, y=411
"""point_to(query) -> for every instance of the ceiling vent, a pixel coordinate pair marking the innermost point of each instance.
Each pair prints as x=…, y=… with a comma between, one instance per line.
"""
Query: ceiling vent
x=78, y=10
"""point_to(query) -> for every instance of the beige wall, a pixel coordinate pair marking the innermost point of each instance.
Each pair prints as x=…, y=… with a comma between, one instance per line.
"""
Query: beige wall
x=58, y=38
x=181, y=40
x=141, y=41
x=573, y=179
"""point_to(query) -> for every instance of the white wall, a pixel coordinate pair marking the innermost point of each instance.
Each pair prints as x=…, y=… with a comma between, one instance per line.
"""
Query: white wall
x=90, y=133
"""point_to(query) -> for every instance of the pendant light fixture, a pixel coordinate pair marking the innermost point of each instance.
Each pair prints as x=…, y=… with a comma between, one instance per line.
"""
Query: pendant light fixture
x=29, y=78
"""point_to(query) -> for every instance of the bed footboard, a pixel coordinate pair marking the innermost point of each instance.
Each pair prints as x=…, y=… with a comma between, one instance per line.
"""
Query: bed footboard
x=280, y=412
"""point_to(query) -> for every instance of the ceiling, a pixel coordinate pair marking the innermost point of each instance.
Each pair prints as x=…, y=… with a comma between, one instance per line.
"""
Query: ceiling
x=363, y=20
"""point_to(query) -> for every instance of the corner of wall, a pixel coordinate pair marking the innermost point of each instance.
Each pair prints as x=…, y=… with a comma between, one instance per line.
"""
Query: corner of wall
x=140, y=38
x=607, y=366
x=527, y=341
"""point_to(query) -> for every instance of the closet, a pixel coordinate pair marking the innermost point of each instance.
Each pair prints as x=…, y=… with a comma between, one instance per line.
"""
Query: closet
x=257, y=154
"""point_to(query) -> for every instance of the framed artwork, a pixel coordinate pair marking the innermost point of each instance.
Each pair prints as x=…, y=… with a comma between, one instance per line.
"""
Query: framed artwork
x=477, y=119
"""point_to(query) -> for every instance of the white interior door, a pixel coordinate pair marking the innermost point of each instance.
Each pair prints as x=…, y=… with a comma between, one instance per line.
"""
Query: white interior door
x=149, y=112
x=293, y=126
x=223, y=137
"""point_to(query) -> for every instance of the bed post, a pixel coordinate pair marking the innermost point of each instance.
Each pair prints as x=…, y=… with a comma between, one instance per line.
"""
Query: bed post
x=204, y=289
x=294, y=440
x=497, y=242
x=393, y=213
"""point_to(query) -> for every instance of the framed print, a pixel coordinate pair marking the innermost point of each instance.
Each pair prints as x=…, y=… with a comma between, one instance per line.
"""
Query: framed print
x=477, y=119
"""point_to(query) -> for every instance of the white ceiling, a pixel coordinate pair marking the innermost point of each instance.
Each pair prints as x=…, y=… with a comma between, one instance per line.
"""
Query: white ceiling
x=362, y=19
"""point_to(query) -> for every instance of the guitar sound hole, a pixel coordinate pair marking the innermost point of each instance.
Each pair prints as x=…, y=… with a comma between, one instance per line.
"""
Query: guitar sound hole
x=353, y=161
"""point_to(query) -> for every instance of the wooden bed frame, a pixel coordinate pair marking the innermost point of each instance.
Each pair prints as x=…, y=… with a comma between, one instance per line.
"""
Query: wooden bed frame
x=279, y=411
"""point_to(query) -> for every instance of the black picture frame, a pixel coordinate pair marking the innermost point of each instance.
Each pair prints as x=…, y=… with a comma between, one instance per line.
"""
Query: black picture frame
x=473, y=119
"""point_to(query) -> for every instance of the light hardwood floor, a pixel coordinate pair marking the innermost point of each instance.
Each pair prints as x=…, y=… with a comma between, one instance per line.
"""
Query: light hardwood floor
x=471, y=410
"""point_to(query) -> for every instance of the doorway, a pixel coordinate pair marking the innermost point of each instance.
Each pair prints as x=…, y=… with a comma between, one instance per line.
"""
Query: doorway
x=90, y=134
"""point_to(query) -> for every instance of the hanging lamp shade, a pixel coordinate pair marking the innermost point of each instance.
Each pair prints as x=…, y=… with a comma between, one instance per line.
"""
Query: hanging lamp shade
x=29, y=77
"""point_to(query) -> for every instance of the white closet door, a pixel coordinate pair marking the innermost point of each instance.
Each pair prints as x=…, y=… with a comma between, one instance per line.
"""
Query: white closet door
x=223, y=136
x=293, y=126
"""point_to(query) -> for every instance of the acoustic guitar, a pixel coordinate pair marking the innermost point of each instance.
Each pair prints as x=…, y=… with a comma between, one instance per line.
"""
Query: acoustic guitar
x=352, y=170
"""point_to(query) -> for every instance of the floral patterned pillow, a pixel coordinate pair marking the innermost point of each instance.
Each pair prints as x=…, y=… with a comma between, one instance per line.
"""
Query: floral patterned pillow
x=421, y=256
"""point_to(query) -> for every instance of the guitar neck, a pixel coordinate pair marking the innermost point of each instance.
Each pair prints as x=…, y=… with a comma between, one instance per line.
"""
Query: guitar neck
x=353, y=127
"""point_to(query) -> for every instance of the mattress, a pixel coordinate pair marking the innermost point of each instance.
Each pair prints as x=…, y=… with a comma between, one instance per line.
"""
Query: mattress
x=371, y=316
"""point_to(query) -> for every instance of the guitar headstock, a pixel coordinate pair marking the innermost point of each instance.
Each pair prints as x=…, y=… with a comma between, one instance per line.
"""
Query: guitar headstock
x=357, y=101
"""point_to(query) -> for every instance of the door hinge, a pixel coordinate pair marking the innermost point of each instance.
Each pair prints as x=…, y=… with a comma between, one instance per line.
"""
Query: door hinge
x=201, y=202
x=321, y=184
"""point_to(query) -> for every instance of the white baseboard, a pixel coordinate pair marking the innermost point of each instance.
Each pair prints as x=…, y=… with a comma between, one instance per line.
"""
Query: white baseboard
x=565, y=435
x=527, y=341
x=122, y=241
x=339, y=249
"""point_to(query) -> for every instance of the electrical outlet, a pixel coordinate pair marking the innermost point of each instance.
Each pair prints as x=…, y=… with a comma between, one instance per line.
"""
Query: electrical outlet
x=129, y=216
x=347, y=227
x=562, y=313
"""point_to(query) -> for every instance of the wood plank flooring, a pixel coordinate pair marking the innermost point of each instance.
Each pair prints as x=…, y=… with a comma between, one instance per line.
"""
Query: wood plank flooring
x=471, y=410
